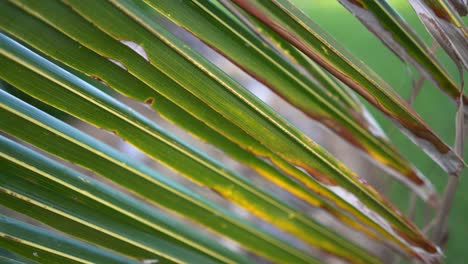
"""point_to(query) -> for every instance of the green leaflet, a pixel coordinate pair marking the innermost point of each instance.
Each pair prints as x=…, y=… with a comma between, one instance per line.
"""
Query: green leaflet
x=302, y=32
x=176, y=242
x=71, y=52
x=244, y=109
x=41, y=245
x=75, y=96
x=381, y=19
x=210, y=24
x=11, y=257
x=324, y=79
x=7, y=260
x=235, y=104
x=29, y=204
x=51, y=135
x=143, y=181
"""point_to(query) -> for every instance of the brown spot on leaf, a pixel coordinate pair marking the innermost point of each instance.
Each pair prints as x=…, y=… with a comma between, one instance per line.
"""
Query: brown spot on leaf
x=322, y=178
x=96, y=78
x=357, y=2
x=218, y=193
x=149, y=101
x=420, y=241
x=440, y=13
x=413, y=177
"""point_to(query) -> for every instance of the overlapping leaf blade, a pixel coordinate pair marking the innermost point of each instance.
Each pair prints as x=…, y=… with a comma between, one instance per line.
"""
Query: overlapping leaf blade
x=8, y=260
x=381, y=19
x=41, y=245
x=460, y=5
x=186, y=54
x=71, y=52
x=80, y=99
x=446, y=27
x=25, y=170
x=169, y=55
x=269, y=172
x=293, y=55
x=302, y=32
x=27, y=202
x=211, y=25
x=55, y=137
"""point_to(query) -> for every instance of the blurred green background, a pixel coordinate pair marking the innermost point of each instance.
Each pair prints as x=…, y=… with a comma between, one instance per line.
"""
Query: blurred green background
x=431, y=104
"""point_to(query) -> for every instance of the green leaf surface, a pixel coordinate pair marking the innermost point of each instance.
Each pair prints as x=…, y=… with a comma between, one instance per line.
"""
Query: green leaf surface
x=62, y=140
x=307, y=36
x=235, y=104
x=175, y=240
x=7, y=260
x=119, y=79
x=211, y=25
x=78, y=98
x=39, y=244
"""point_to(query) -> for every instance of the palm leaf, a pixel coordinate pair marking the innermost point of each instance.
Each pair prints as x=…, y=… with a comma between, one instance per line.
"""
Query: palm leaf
x=307, y=36
x=293, y=152
x=171, y=111
x=447, y=29
x=176, y=114
x=209, y=23
x=80, y=197
x=158, y=144
x=381, y=19
x=41, y=245
x=69, y=57
x=268, y=171
x=64, y=141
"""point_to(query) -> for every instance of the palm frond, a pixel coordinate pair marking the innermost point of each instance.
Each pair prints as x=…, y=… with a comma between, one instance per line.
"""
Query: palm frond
x=85, y=59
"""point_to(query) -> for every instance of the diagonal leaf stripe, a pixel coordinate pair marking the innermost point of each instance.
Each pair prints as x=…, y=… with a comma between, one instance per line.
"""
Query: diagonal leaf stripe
x=211, y=25
x=7, y=260
x=324, y=79
x=251, y=115
x=151, y=139
x=177, y=115
x=64, y=141
x=300, y=150
x=31, y=167
x=115, y=76
x=302, y=32
x=446, y=27
x=44, y=246
x=384, y=21
x=78, y=98
x=43, y=210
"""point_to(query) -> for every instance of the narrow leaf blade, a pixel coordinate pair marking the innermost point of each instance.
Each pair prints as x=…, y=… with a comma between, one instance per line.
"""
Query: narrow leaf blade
x=211, y=25
x=307, y=36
